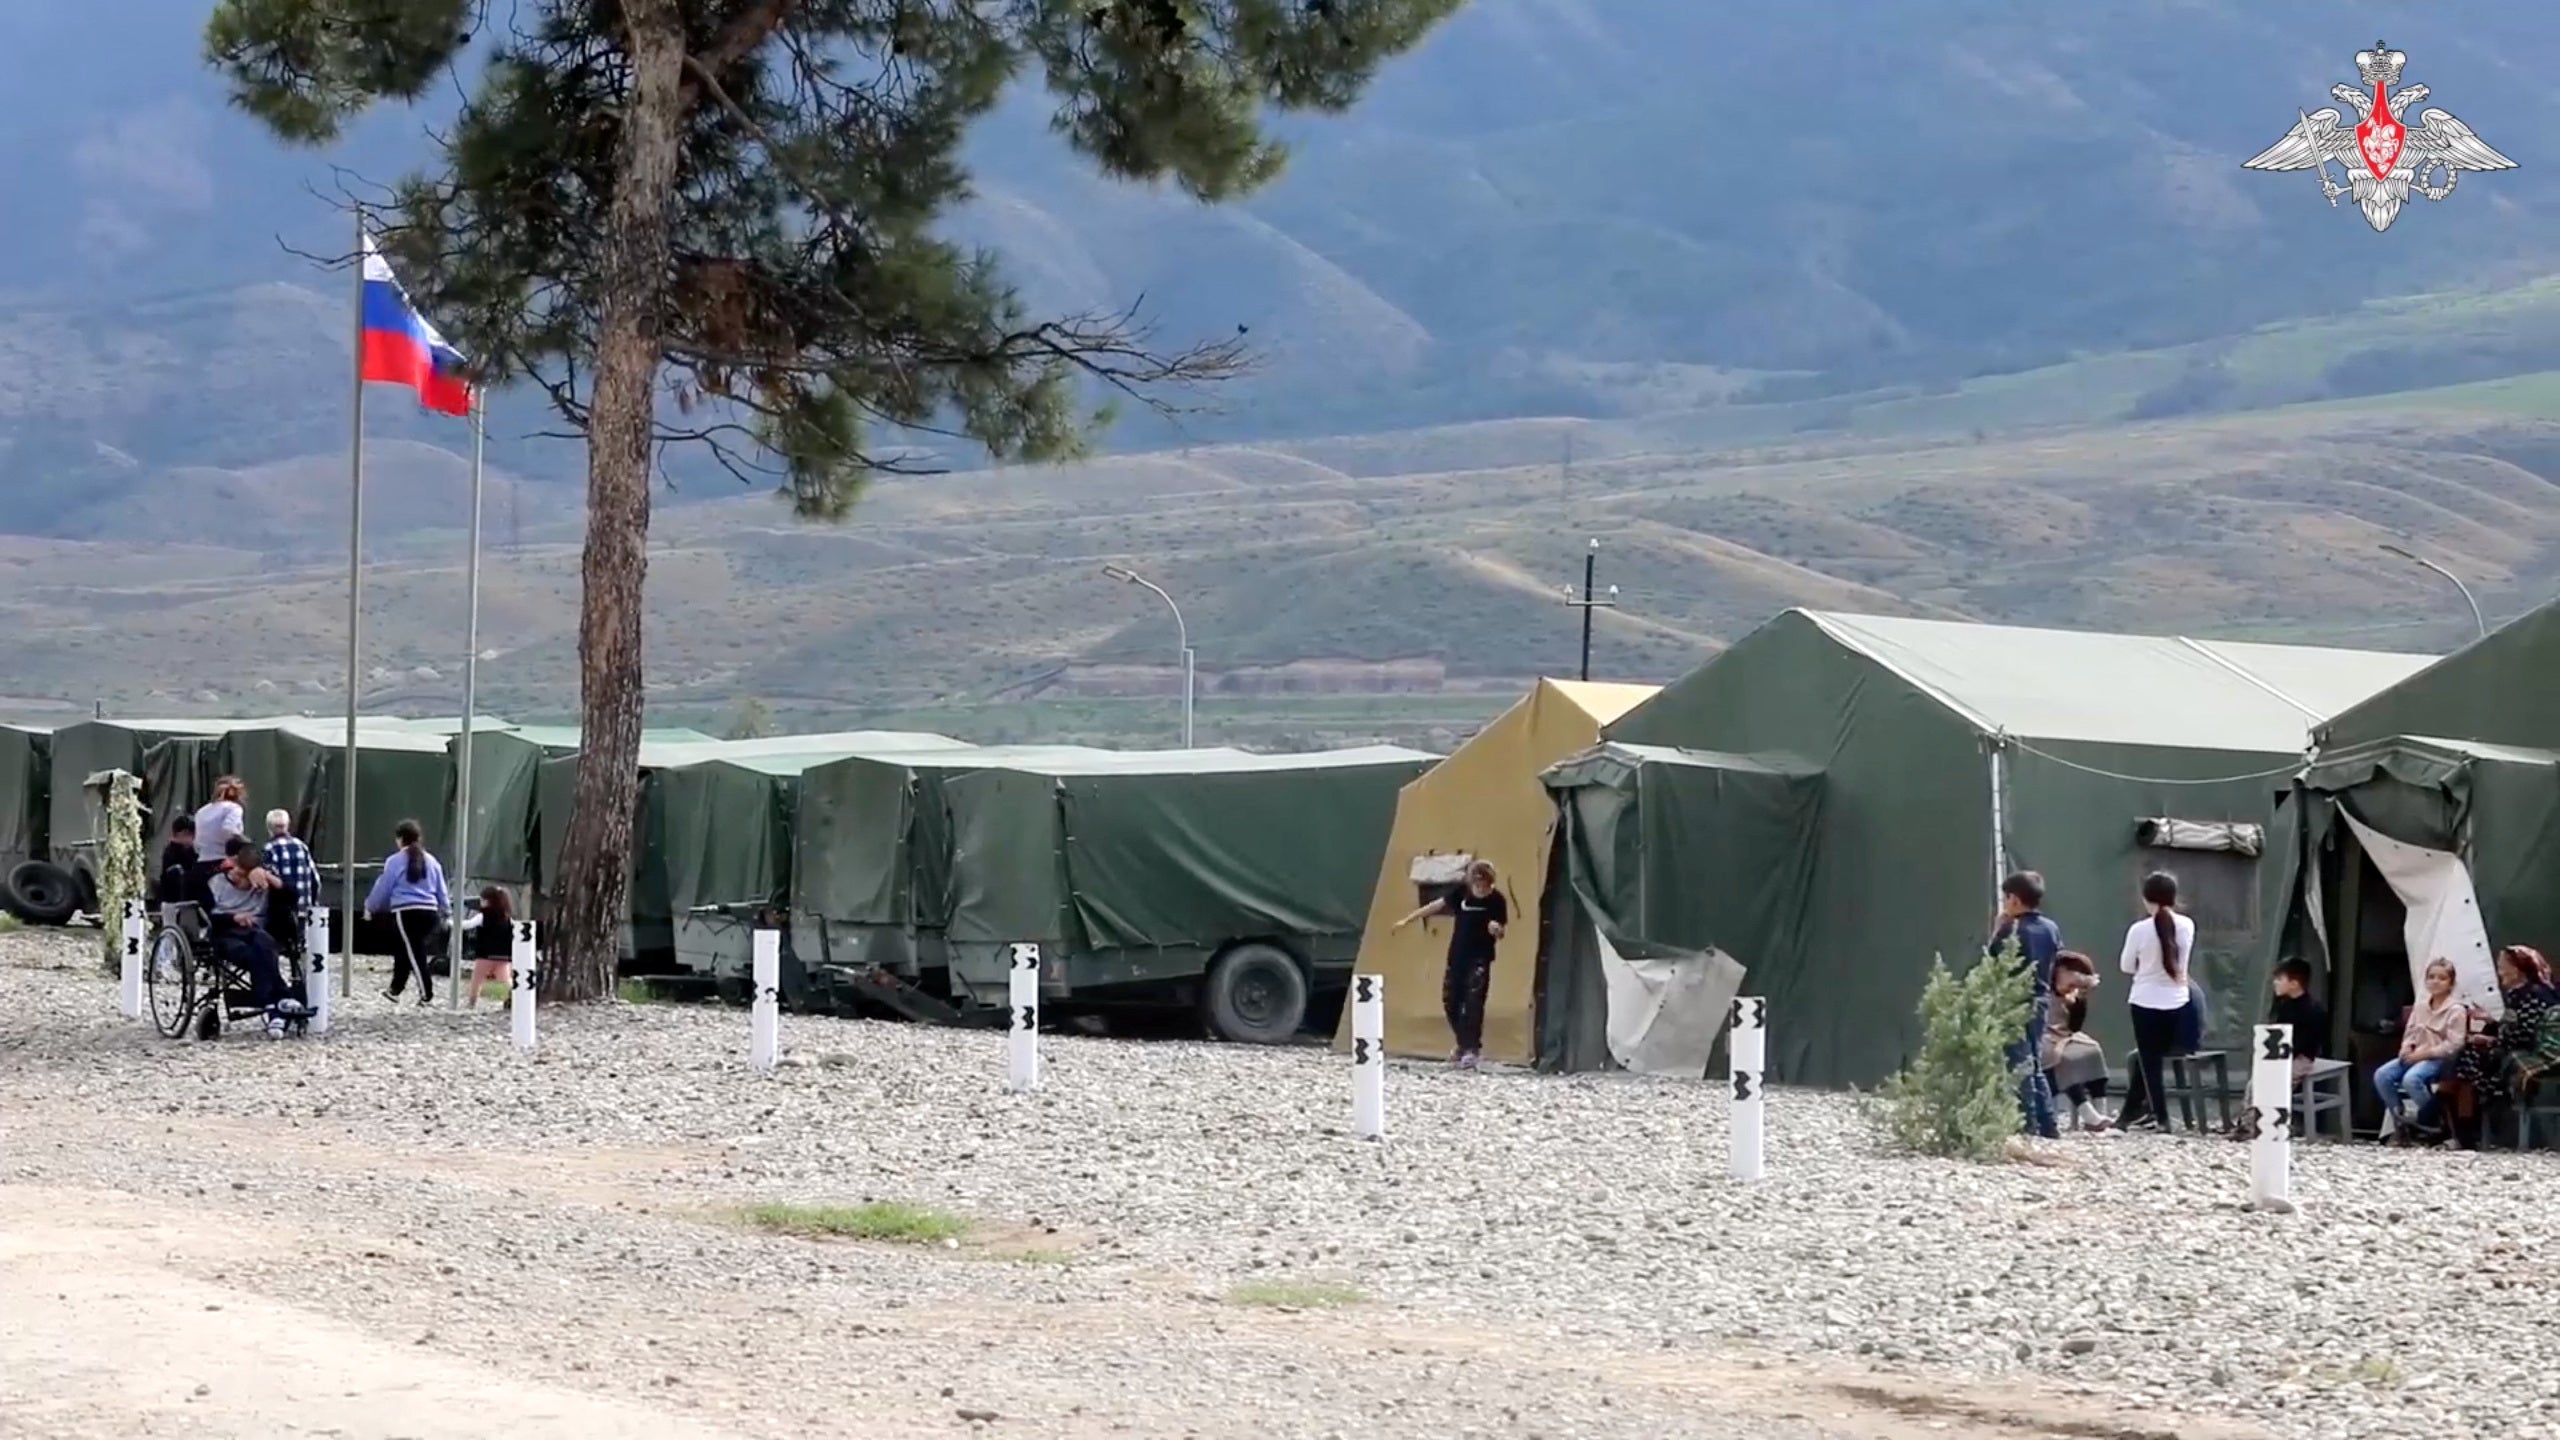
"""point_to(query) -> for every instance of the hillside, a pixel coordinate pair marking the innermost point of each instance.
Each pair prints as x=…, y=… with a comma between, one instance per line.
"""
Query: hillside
x=1329, y=604
x=1611, y=209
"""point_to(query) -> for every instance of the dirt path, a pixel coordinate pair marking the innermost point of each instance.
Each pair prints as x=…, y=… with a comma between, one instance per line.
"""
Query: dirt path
x=97, y=1338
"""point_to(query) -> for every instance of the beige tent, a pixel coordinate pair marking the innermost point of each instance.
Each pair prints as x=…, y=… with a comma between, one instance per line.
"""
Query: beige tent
x=1482, y=803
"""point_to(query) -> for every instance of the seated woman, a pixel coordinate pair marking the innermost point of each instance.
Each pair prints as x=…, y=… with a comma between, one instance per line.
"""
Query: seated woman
x=2073, y=1061
x=2437, y=1029
x=2502, y=1064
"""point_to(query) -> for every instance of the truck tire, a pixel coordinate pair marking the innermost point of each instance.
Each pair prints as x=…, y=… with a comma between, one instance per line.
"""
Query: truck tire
x=44, y=893
x=1256, y=995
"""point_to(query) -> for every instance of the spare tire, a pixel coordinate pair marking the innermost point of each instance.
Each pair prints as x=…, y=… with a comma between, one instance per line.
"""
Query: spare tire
x=1256, y=995
x=44, y=893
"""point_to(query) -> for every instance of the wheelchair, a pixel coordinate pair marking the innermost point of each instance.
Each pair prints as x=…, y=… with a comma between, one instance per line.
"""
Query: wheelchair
x=196, y=987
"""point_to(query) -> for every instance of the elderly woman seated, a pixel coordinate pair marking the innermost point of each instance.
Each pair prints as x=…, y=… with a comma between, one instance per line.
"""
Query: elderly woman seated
x=2507, y=1057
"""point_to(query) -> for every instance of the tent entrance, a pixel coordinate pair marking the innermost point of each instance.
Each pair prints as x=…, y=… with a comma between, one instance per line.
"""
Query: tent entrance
x=1672, y=871
x=2368, y=954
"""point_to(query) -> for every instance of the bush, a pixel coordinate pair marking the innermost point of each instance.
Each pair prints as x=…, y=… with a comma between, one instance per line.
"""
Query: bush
x=1959, y=1098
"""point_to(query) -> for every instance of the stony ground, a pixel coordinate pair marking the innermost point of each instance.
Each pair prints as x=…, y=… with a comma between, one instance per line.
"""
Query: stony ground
x=405, y=1229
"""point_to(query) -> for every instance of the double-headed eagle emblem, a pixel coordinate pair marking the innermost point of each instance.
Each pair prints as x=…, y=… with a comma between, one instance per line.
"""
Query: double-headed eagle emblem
x=2383, y=155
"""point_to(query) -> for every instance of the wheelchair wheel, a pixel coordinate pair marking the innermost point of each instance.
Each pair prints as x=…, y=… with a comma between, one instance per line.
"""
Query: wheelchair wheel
x=169, y=973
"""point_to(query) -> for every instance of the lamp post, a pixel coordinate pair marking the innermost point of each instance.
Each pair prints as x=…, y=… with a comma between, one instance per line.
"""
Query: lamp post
x=1182, y=633
x=1590, y=601
x=2477, y=622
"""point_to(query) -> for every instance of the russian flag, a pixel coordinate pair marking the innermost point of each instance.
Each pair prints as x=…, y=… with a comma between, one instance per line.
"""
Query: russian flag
x=399, y=346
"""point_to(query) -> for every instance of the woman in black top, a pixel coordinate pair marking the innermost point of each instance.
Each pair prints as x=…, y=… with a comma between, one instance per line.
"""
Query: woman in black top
x=1481, y=913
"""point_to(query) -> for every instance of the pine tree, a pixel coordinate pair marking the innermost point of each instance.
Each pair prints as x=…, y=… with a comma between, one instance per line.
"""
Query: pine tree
x=735, y=200
x=1959, y=1097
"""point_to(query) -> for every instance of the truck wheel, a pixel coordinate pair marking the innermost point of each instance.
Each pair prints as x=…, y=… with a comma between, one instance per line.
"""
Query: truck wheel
x=45, y=893
x=1256, y=995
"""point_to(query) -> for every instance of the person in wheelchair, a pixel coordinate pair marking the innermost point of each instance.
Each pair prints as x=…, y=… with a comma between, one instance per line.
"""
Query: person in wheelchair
x=239, y=930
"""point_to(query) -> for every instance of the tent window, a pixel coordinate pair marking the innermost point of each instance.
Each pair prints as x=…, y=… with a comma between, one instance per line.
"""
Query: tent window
x=2236, y=837
x=1437, y=876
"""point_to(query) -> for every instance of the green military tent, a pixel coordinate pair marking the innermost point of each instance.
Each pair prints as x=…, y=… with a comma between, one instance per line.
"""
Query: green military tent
x=84, y=749
x=649, y=934
x=723, y=833
x=1947, y=754
x=299, y=766
x=1631, y=922
x=26, y=790
x=2429, y=825
x=1245, y=878
x=872, y=851
x=506, y=762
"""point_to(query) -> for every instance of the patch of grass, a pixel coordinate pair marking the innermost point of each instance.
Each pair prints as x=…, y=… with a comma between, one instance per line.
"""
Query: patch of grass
x=887, y=1220
x=1295, y=1294
x=9, y=922
x=641, y=992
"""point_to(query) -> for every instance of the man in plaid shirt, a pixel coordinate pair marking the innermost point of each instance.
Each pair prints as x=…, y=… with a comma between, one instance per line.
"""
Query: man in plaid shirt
x=290, y=859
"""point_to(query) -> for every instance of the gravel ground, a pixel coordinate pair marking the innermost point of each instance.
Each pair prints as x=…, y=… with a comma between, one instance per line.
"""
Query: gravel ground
x=1556, y=1256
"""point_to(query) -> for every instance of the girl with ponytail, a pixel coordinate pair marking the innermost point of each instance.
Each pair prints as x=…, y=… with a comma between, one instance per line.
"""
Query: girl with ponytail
x=411, y=889
x=2159, y=953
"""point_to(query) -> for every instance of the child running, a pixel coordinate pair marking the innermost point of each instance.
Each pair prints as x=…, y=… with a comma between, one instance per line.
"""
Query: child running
x=490, y=937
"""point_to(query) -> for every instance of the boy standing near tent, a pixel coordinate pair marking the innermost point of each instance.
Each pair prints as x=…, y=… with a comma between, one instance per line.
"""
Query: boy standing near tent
x=1481, y=913
x=2023, y=920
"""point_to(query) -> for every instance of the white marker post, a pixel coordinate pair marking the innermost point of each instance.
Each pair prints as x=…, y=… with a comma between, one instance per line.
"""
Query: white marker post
x=1022, y=1040
x=1747, y=1049
x=129, y=994
x=1369, y=1057
x=764, y=1049
x=2271, y=1114
x=526, y=963
x=315, y=971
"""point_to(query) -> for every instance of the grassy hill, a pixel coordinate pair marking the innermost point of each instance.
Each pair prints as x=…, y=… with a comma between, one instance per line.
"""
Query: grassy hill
x=1330, y=603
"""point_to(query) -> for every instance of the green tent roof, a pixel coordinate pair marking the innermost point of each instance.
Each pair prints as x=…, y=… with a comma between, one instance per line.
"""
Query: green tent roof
x=2123, y=689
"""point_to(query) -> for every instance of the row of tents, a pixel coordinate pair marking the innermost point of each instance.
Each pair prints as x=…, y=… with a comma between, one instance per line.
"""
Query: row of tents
x=905, y=866
x=1816, y=812
x=1825, y=806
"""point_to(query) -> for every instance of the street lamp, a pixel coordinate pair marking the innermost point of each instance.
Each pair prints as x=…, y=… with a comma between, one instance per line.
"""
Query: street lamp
x=1182, y=632
x=2467, y=598
x=1590, y=601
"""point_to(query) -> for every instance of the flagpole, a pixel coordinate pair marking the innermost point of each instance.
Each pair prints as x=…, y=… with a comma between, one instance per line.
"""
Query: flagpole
x=461, y=868
x=349, y=903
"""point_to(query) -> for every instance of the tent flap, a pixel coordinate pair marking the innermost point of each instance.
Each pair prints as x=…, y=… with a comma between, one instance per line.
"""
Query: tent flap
x=1665, y=1013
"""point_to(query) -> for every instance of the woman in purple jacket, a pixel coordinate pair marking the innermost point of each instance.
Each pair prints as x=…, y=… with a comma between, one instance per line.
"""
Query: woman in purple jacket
x=411, y=889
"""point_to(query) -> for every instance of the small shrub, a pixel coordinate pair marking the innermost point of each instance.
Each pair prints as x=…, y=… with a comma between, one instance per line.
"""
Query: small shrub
x=1959, y=1098
x=1295, y=1294
x=875, y=1220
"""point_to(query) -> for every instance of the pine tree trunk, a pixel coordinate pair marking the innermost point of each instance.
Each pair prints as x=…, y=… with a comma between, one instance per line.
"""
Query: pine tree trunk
x=594, y=884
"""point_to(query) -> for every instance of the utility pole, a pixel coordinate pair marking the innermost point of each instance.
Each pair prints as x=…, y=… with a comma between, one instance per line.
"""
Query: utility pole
x=1590, y=600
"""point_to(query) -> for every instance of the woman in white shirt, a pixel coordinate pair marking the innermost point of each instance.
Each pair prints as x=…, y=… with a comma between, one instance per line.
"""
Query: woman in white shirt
x=2159, y=952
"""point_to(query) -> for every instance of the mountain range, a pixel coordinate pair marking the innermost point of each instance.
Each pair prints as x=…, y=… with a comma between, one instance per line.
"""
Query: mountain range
x=1776, y=300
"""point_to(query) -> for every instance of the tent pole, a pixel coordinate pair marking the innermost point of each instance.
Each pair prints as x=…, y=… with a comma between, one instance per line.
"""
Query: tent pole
x=1999, y=814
